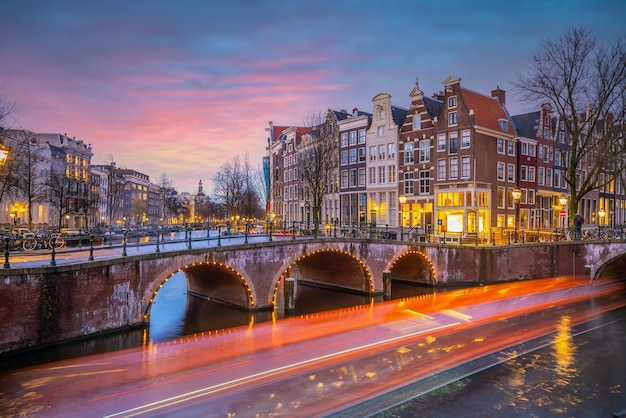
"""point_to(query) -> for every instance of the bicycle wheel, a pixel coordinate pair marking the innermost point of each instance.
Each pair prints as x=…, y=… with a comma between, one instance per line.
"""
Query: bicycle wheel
x=29, y=244
x=59, y=243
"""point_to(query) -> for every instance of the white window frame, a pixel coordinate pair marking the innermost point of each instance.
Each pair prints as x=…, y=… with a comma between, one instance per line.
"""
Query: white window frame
x=453, y=172
x=409, y=153
x=465, y=139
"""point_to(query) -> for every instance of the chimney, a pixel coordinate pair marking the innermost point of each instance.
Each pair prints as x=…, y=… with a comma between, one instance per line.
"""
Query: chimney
x=438, y=96
x=499, y=94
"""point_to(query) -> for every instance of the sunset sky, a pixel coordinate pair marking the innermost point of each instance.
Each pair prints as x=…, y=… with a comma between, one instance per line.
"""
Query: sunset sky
x=181, y=87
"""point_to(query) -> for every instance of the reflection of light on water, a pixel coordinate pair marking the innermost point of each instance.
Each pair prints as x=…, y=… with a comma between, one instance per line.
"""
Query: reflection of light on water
x=556, y=369
x=564, y=350
x=168, y=309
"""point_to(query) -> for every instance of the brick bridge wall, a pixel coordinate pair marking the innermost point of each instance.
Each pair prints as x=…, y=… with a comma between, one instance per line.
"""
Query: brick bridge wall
x=47, y=305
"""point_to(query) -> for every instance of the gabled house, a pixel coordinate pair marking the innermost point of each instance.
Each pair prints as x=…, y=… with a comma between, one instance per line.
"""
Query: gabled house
x=283, y=161
x=475, y=154
x=352, y=167
x=416, y=168
x=539, y=204
x=382, y=139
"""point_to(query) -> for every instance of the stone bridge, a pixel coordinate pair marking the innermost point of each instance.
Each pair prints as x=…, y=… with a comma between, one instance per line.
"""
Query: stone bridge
x=47, y=305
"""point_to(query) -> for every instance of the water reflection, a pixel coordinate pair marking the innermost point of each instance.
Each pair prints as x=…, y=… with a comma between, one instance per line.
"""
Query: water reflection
x=564, y=351
x=174, y=313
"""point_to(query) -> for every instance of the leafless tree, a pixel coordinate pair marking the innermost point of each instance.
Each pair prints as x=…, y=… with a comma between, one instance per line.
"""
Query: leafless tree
x=235, y=187
x=585, y=83
x=317, y=163
x=9, y=174
x=58, y=194
x=28, y=164
x=168, y=201
x=8, y=141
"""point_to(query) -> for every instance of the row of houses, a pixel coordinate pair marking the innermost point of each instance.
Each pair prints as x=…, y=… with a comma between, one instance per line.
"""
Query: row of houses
x=50, y=182
x=455, y=164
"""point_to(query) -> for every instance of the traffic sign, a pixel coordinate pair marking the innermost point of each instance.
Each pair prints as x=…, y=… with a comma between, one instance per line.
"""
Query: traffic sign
x=563, y=213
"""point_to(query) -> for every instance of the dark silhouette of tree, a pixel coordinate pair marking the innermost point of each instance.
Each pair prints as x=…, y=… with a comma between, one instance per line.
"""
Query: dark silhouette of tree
x=58, y=194
x=585, y=84
x=317, y=163
x=26, y=168
x=237, y=189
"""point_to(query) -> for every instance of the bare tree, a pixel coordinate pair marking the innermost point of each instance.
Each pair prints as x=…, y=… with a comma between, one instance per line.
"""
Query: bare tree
x=261, y=182
x=317, y=162
x=27, y=168
x=585, y=83
x=58, y=194
x=168, y=200
x=9, y=174
x=8, y=141
x=236, y=188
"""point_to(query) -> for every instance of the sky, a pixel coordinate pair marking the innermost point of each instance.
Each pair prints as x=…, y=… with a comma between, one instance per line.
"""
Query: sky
x=182, y=87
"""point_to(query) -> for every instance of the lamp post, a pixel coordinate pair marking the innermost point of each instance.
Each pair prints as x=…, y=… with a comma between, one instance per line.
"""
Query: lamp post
x=563, y=203
x=67, y=221
x=4, y=153
x=402, y=200
x=517, y=195
x=601, y=215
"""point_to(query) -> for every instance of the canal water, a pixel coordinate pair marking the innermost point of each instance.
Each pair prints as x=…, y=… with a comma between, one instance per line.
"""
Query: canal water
x=580, y=371
x=586, y=377
x=174, y=314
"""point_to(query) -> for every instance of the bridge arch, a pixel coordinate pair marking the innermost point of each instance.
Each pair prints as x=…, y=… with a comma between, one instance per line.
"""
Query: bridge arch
x=328, y=267
x=413, y=266
x=209, y=279
x=610, y=266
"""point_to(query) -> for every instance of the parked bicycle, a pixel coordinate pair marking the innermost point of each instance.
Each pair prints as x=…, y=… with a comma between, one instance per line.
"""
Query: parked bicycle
x=54, y=240
x=26, y=244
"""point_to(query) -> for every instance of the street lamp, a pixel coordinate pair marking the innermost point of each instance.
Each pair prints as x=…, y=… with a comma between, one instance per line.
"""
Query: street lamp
x=4, y=153
x=601, y=215
x=402, y=200
x=67, y=221
x=517, y=195
x=563, y=203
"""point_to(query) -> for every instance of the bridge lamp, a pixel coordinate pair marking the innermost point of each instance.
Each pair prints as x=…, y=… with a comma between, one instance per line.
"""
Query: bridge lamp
x=402, y=200
x=563, y=203
x=516, y=194
x=601, y=215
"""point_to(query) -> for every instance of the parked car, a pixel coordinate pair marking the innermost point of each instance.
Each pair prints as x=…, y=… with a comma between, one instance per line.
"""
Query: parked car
x=42, y=233
x=70, y=232
x=22, y=233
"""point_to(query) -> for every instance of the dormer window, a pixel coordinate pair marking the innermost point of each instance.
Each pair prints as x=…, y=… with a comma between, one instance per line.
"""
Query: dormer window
x=452, y=101
x=504, y=124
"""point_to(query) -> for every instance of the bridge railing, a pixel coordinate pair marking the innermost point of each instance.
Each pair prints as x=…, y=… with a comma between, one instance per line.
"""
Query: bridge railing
x=33, y=251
